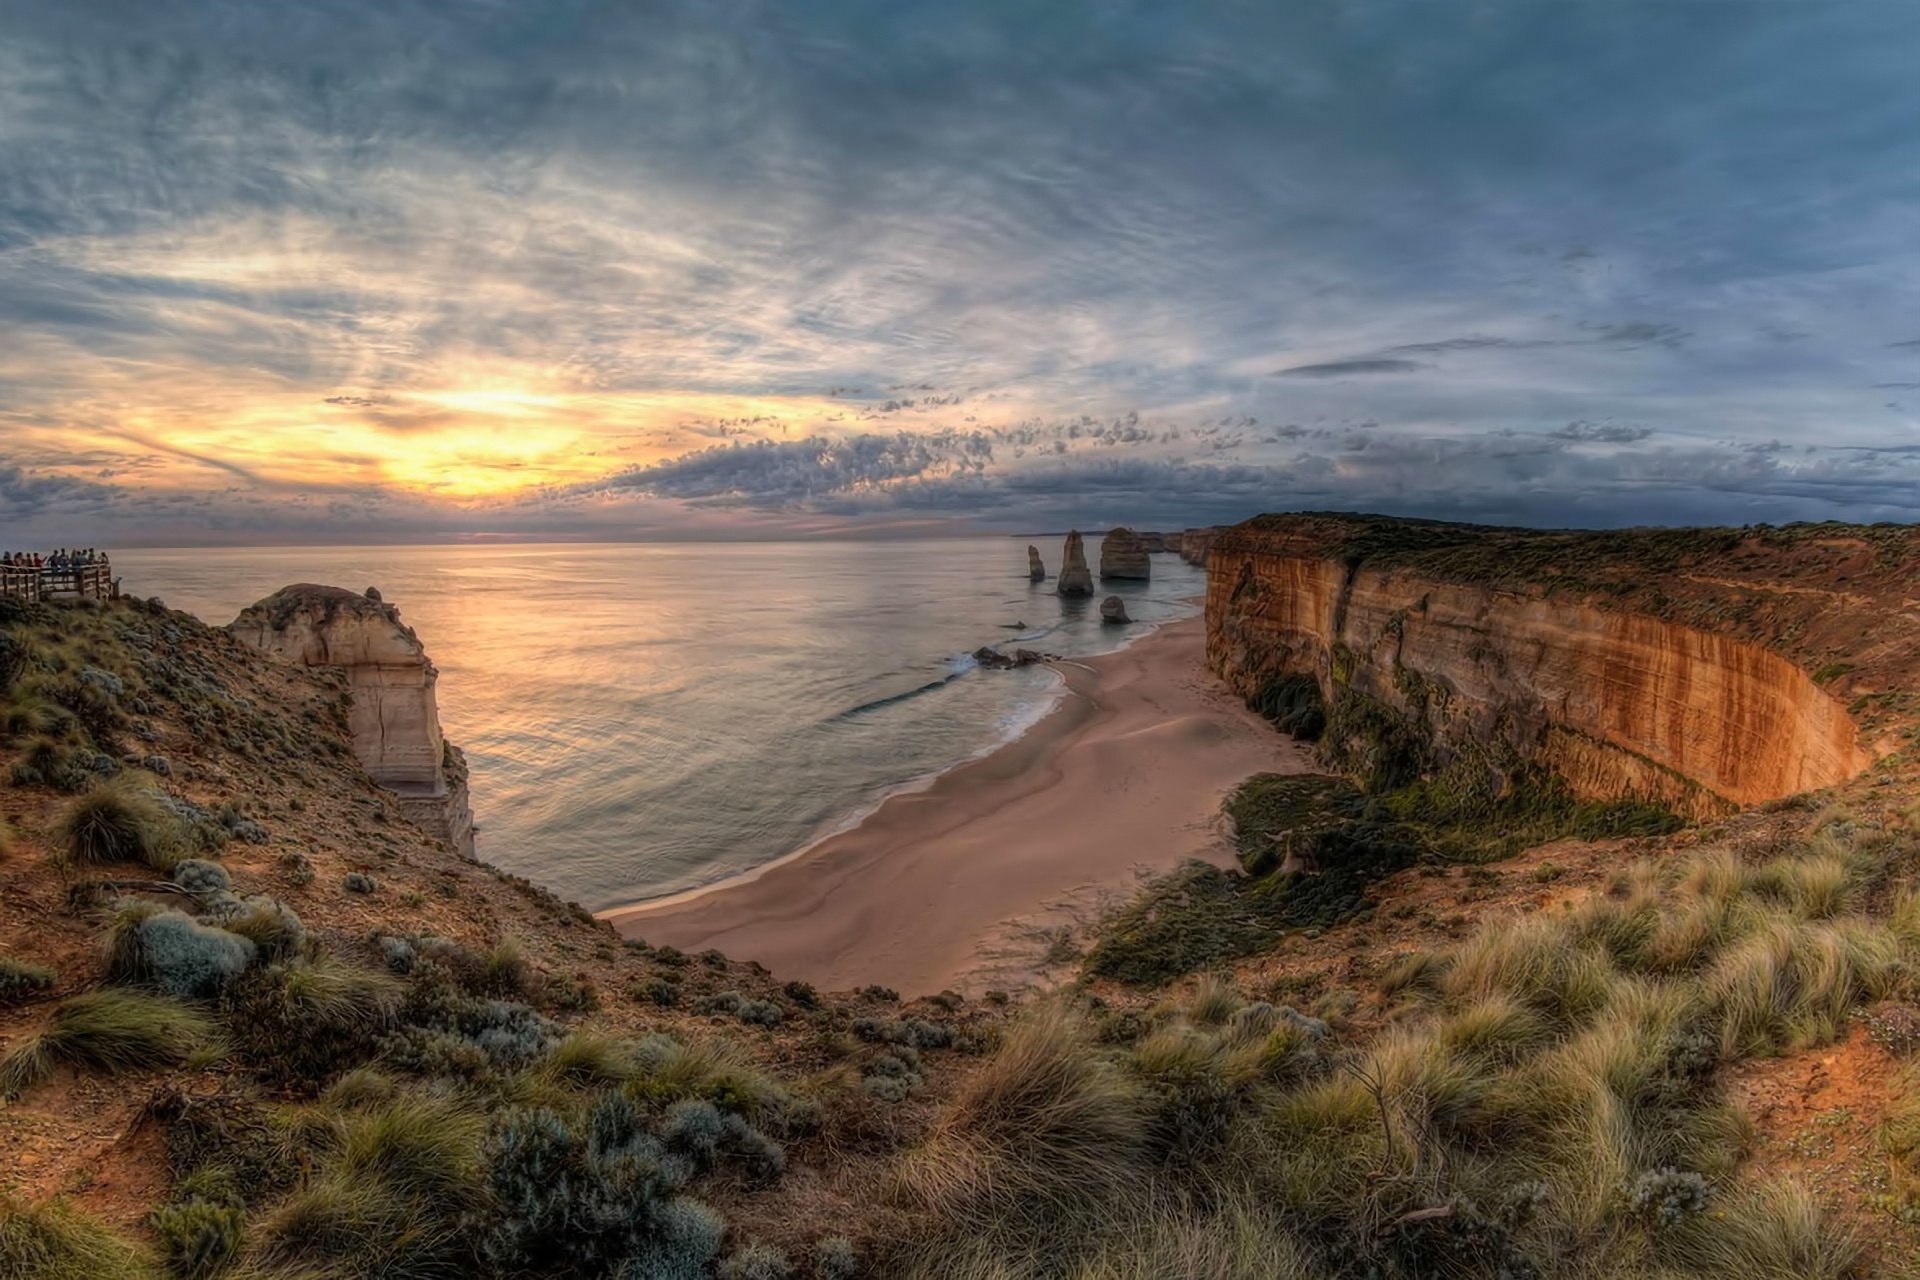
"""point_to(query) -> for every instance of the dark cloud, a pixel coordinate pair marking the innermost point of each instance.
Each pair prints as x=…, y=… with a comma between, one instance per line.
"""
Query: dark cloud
x=1349, y=368
x=795, y=472
x=1015, y=226
x=1602, y=432
x=1473, y=343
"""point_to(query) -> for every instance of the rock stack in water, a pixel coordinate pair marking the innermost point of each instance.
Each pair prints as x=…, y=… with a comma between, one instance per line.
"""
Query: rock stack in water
x=1114, y=610
x=1123, y=555
x=1036, y=571
x=1075, y=578
x=395, y=717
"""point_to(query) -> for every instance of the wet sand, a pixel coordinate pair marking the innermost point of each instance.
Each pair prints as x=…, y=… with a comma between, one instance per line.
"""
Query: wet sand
x=937, y=888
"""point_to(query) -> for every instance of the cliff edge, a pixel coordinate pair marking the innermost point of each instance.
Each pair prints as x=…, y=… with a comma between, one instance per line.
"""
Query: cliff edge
x=1701, y=668
x=394, y=716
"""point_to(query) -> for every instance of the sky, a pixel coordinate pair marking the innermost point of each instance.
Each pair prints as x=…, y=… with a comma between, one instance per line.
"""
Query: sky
x=388, y=270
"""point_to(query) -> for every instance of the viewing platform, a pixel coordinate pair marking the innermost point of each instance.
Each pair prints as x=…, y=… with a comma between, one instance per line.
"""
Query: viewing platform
x=32, y=584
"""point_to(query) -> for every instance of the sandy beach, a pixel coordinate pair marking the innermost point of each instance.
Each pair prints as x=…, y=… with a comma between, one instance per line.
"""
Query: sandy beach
x=936, y=887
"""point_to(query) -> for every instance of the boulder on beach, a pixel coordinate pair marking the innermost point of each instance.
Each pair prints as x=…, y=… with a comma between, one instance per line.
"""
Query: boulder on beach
x=1124, y=555
x=1075, y=578
x=1036, y=570
x=1113, y=610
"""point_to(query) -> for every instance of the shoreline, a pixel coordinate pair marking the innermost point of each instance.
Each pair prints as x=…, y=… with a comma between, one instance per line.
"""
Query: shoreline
x=935, y=885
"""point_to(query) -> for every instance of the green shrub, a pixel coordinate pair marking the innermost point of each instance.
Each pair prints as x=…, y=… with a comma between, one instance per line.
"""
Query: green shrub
x=18, y=980
x=301, y=1022
x=198, y=1237
x=597, y=1196
x=117, y=822
x=755, y=1262
x=834, y=1258
x=57, y=1242
x=109, y=1030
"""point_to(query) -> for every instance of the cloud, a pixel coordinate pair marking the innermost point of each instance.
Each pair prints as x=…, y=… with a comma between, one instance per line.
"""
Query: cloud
x=1349, y=368
x=428, y=266
x=1601, y=433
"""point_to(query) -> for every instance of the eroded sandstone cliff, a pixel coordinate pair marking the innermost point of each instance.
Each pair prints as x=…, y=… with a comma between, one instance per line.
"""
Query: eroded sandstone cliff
x=1678, y=666
x=395, y=717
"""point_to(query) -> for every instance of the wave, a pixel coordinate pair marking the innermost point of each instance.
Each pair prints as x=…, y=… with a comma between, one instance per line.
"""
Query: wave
x=957, y=666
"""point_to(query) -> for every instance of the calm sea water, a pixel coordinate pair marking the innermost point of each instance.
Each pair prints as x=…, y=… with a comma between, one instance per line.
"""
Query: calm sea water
x=645, y=719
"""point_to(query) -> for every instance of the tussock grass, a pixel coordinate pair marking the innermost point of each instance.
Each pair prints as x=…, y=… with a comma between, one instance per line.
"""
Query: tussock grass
x=1773, y=1232
x=117, y=822
x=391, y=1197
x=107, y=1031
x=304, y=1021
x=1048, y=1130
x=57, y=1242
x=1789, y=985
x=1535, y=1082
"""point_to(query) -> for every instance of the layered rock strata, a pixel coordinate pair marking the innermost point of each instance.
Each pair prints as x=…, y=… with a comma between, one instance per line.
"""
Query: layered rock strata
x=1618, y=702
x=395, y=716
x=1075, y=578
x=1124, y=556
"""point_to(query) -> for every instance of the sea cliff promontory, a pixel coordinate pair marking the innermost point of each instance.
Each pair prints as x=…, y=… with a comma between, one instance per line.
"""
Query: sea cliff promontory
x=1698, y=668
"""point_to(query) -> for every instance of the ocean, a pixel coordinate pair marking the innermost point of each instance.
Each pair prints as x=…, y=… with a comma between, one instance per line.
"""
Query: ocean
x=644, y=719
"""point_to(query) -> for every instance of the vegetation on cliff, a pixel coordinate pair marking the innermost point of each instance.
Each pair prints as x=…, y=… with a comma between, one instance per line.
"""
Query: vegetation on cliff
x=223, y=1063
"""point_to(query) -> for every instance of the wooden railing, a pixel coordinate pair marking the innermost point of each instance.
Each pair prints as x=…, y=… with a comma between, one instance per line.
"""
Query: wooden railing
x=48, y=583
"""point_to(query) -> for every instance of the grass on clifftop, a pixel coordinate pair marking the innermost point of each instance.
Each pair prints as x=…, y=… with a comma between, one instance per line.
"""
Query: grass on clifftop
x=1310, y=846
x=1549, y=1098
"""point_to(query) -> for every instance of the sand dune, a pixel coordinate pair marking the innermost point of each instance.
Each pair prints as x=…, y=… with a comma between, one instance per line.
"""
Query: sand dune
x=930, y=890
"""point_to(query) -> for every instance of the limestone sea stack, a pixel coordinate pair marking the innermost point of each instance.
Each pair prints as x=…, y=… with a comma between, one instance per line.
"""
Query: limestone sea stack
x=1123, y=555
x=1036, y=570
x=1113, y=610
x=395, y=718
x=1075, y=578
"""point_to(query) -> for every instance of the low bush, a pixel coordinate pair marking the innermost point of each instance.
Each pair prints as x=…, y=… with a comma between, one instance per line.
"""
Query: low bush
x=755, y=1262
x=301, y=1022
x=19, y=980
x=109, y=1030
x=598, y=1196
x=835, y=1258
x=359, y=882
x=198, y=1238
x=174, y=953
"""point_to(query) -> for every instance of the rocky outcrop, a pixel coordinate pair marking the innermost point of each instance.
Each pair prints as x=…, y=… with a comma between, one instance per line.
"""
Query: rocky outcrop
x=1113, y=610
x=395, y=717
x=1194, y=543
x=1154, y=543
x=1075, y=578
x=1036, y=569
x=1446, y=648
x=1123, y=555
x=994, y=660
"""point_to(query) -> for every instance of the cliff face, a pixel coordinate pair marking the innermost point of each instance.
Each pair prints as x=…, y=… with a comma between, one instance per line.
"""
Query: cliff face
x=395, y=717
x=1619, y=702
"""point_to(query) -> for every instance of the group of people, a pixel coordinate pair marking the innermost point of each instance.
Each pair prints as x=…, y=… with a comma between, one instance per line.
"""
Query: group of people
x=61, y=559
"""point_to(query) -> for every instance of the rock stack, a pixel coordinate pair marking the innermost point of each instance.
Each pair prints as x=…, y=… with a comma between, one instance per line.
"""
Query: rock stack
x=395, y=717
x=1123, y=555
x=1113, y=610
x=1075, y=578
x=1036, y=571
